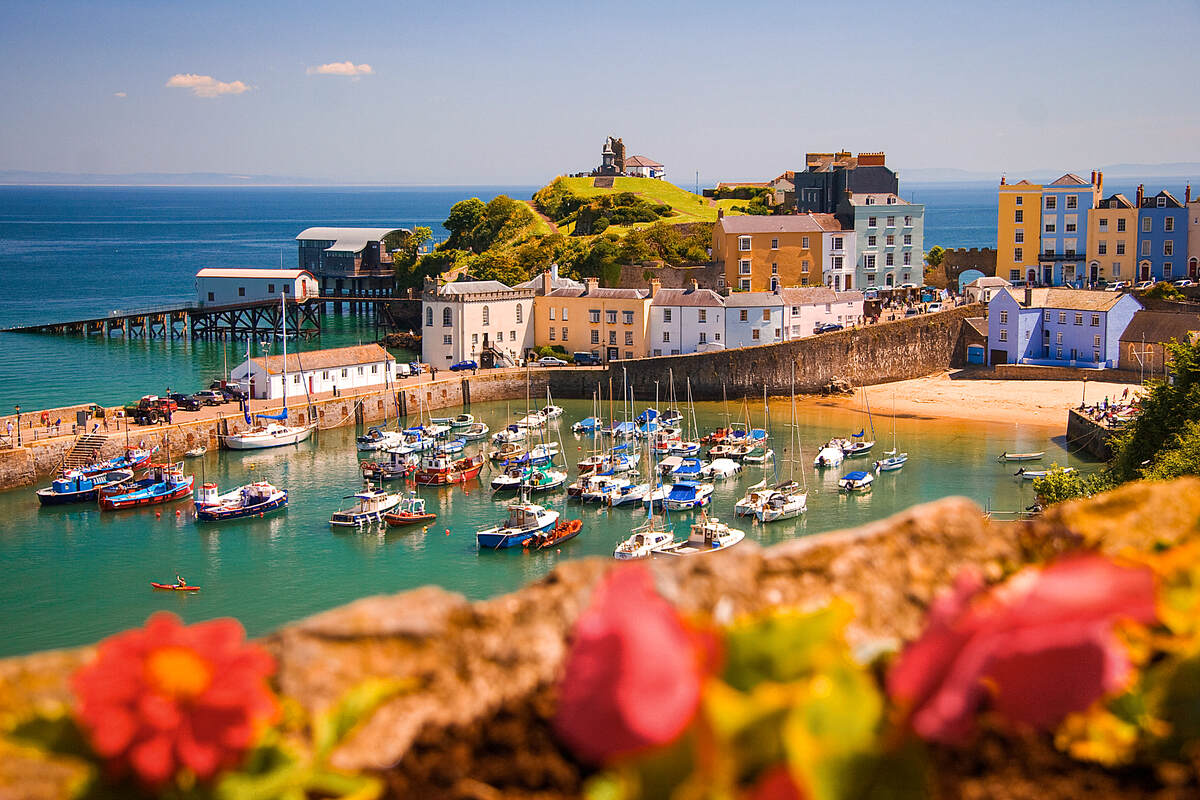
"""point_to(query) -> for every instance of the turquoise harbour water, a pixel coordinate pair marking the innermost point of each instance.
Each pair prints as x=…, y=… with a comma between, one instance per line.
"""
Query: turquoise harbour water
x=73, y=574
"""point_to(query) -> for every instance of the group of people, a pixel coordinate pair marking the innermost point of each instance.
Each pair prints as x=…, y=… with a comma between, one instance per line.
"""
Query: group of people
x=1112, y=412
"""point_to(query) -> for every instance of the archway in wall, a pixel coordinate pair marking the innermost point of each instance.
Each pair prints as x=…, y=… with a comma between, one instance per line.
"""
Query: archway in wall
x=967, y=276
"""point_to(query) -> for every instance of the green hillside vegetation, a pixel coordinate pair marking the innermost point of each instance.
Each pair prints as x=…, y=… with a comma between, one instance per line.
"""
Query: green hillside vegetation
x=575, y=204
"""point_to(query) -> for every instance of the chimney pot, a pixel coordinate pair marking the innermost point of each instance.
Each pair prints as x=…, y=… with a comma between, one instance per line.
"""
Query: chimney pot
x=696, y=283
x=720, y=213
x=1187, y=194
x=1028, y=296
x=655, y=285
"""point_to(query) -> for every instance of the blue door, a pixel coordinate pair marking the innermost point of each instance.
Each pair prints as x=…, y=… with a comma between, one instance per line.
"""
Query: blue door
x=975, y=354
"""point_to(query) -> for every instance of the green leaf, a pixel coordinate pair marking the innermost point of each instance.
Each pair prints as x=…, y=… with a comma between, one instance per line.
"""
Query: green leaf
x=784, y=646
x=54, y=733
x=356, y=706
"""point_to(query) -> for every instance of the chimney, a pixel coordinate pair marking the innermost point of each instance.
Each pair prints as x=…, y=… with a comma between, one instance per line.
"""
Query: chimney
x=592, y=284
x=696, y=283
x=1140, y=192
x=655, y=285
x=1028, y=296
x=1100, y=182
x=1187, y=194
x=548, y=280
x=1002, y=180
x=1093, y=177
x=720, y=213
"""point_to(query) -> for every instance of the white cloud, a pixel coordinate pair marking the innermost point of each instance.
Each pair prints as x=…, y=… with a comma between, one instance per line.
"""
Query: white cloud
x=205, y=85
x=119, y=94
x=346, y=69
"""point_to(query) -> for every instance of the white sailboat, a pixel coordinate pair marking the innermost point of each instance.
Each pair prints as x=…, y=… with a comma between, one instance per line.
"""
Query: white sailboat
x=274, y=433
x=893, y=459
x=789, y=500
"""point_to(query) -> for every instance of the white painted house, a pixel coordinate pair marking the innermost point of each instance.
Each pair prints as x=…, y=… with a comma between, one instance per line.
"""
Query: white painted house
x=463, y=320
x=685, y=321
x=218, y=286
x=753, y=318
x=807, y=307
x=837, y=259
x=982, y=290
x=317, y=371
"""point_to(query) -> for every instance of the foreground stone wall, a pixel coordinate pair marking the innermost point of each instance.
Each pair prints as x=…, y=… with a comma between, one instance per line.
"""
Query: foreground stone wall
x=479, y=726
x=1037, y=372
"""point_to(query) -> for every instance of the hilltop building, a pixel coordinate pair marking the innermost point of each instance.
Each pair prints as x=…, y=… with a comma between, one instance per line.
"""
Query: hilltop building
x=1162, y=236
x=484, y=321
x=642, y=167
x=614, y=163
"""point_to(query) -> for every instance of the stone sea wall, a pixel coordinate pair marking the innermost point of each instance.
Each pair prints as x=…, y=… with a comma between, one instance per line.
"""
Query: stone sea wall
x=479, y=725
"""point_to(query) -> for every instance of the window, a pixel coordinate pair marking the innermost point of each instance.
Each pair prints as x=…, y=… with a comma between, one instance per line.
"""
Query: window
x=1096, y=341
x=804, y=280
x=837, y=262
x=702, y=315
x=594, y=316
x=1072, y=201
x=595, y=337
x=717, y=337
x=744, y=316
x=325, y=375
x=872, y=222
x=1058, y=338
x=429, y=317
x=1078, y=318
x=1121, y=247
x=564, y=334
x=774, y=244
x=743, y=243
x=612, y=337
x=520, y=313
x=870, y=279
x=1003, y=317
x=778, y=334
x=475, y=337
x=628, y=316
x=890, y=240
x=487, y=316
x=1015, y=275
x=774, y=282
x=1058, y=352
x=1019, y=237
x=774, y=268
x=870, y=241
x=1168, y=248
x=869, y=261
x=666, y=315
x=1045, y=314
x=1051, y=202
x=703, y=337
x=766, y=315
x=360, y=371
x=1062, y=318
x=564, y=314
x=1146, y=247
x=1020, y=200
x=1146, y=223
x=804, y=265
x=908, y=258
x=836, y=243
x=744, y=266
x=1004, y=334
x=1169, y=224
x=666, y=336
x=657, y=352
x=611, y=317
x=551, y=313
x=745, y=285
x=908, y=238
x=1018, y=255
x=891, y=222
x=1071, y=226
x=210, y=297
x=1103, y=225
x=1051, y=224
x=1018, y=215
x=629, y=338
x=499, y=336
x=552, y=333
x=446, y=340
x=1166, y=269
x=241, y=291
x=1121, y=225
x=754, y=334
x=804, y=242
x=447, y=321
x=270, y=288
x=908, y=222
x=296, y=378
x=1102, y=248
x=889, y=259
x=1161, y=202
x=1116, y=269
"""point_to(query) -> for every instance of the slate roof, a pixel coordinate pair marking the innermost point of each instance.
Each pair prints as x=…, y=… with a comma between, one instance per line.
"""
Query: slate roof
x=1117, y=200
x=979, y=324
x=789, y=223
x=1161, y=326
x=347, y=239
x=687, y=297
x=1070, y=179
x=1067, y=299
x=602, y=293
x=809, y=296
x=753, y=300
x=331, y=358
x=641, y=161
x=556, y=281
x=461, y=288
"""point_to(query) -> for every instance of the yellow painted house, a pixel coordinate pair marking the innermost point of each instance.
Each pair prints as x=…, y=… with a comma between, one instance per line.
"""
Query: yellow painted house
x=1018, y=231
x=1112, y=239
x=610, y=323
x=764, y=253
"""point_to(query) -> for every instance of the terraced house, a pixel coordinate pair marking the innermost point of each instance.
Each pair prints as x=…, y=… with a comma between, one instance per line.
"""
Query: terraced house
x=890, y=237
x=766, y=253
x=1018, y=231
x=1065, y=206
x=1162, y=237
x=1112, y=240
x=610, y=323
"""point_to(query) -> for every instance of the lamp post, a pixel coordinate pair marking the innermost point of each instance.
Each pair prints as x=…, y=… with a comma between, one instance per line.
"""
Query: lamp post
x=18, y=410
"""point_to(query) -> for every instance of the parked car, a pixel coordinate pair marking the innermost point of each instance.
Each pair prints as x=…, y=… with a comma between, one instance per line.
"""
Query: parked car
x=229, y=391
x=403, y=370
x=550, y=361
x=210, y=397
x=827, y=327
x=586, y=358
x=912, y=312
x=933, y=307
x=908, y=286
x=1118, y=286
x=1144, y=285
x=150, y=409
x=1183, y=283
x=185, y=401
x=458, y=366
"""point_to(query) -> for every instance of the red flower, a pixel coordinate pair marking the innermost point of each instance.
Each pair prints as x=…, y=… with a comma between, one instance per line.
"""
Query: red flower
x=776, y=783
x=633, y=675
x=167, y=696
x=1038, y=647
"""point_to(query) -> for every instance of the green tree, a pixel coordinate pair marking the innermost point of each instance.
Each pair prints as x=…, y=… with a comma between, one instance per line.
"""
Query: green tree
x=1163, y=291
x=465, y=216
x=1180, y=456
x=1166, y=410
x=935, y=256
x=405, y=257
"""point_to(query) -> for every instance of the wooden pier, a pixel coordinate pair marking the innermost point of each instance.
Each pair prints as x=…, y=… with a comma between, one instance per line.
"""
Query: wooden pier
x=193, y=321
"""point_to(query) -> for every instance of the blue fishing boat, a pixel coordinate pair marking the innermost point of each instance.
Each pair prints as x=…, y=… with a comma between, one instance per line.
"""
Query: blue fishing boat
x=162, y=484
x=526, y=521
x=75, y=487
x=251, y=500
x=133, y=459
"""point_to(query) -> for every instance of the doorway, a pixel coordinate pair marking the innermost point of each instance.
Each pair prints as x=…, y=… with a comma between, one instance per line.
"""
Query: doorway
x=613, y=355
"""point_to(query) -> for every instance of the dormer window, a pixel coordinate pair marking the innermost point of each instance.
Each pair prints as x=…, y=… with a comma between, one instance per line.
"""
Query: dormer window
x=1162, y=202
x=891, y=201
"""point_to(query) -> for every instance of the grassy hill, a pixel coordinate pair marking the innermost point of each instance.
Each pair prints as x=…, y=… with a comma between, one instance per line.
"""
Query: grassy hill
x=685, y=206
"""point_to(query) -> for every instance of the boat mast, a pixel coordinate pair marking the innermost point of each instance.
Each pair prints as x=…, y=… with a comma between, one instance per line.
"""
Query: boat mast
x=283, y=335
x=794, y=439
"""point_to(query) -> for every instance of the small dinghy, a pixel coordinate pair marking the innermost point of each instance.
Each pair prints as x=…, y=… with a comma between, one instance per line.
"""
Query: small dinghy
x=462, y=421
x=564, y=531
x=1034, y=474
x=411, y=511
x=1007, y=456
x=476, y=432
x=195, y=452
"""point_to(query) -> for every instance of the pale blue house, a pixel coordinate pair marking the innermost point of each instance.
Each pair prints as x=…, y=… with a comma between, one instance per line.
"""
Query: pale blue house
x=890, y=235
x=1065, y=206
x=1162, y=237
x=1058, y=327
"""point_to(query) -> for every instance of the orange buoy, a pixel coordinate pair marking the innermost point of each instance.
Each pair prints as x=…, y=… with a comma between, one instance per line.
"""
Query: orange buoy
x=157, y=514
x=447, y=531
x=177, y=512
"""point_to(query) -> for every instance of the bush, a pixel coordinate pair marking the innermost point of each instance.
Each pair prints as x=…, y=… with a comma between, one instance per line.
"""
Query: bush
x=600, y=225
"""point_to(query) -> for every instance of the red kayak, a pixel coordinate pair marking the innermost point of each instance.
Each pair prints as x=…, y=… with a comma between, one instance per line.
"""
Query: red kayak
x=174, y=587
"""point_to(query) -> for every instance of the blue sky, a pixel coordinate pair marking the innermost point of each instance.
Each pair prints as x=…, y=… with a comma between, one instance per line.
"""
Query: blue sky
x=516, y=92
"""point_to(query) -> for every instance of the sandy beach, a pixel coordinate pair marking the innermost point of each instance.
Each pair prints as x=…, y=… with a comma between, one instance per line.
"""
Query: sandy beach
x=951, y=395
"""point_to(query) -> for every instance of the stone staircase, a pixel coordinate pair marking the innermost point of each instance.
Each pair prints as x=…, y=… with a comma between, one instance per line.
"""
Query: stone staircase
x=85, y=450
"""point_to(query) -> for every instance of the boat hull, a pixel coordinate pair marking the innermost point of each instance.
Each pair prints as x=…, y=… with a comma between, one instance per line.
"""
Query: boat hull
x=401, y=519
x=219, y=514
x=447, y=478
x=118, y=502
x=264, y=441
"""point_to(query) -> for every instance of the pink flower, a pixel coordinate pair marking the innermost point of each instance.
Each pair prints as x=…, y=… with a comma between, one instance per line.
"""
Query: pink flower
x=633, y=675
x=164, y=697
x=1037, y=647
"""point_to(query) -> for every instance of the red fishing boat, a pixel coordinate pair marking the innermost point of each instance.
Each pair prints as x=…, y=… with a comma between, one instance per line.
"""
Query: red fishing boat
x=439, y=469
x=411, y=511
